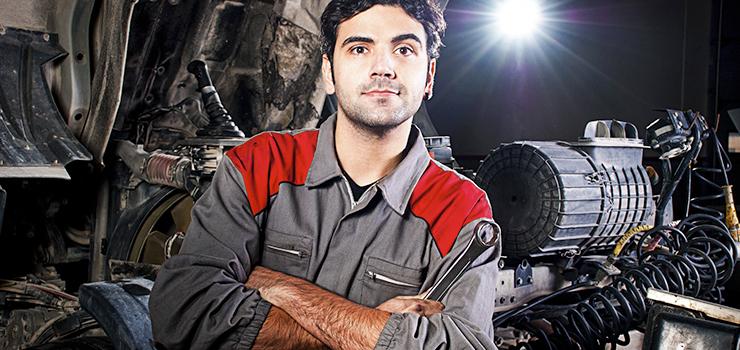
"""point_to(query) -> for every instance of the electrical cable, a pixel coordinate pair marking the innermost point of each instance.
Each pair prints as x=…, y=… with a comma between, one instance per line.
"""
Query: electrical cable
x=671, y=179
x=699, y=258
x=695, y=256
x=498, y=320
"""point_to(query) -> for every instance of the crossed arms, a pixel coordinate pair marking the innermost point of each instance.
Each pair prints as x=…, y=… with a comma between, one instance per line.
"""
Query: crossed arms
x=305, y=316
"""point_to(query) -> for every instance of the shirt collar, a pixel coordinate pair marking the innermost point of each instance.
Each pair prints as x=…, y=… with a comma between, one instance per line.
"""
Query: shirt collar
x=396, y=187
x=325, y=165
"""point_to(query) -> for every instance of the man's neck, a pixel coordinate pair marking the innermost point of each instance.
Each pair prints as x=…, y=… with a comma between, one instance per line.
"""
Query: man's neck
x=367, y=157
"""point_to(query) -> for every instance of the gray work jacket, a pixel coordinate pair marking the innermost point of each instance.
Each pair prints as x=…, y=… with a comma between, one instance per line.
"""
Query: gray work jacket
x=280, y=200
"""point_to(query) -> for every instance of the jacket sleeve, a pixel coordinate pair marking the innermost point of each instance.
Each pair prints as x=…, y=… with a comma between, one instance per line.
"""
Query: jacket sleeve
x=466, y=321
x=199, y=300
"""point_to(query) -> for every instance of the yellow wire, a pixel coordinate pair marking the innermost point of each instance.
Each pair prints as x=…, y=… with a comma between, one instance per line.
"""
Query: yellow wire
x=627, y=235
x=730, y=214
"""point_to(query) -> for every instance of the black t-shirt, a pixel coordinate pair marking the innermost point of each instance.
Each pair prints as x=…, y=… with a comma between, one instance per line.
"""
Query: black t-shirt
x=357, y=190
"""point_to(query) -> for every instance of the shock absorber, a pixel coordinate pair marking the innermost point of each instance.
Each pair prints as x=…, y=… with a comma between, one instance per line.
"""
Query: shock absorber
x=694, y=258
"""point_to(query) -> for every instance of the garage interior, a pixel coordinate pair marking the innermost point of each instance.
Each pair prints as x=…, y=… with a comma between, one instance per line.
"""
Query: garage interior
x=629, y=108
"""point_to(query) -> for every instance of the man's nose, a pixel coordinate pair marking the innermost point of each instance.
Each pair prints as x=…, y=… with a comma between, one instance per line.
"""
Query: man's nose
x=383, y=66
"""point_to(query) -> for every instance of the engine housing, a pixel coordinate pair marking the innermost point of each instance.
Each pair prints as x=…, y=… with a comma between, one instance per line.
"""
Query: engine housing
x=554, y=197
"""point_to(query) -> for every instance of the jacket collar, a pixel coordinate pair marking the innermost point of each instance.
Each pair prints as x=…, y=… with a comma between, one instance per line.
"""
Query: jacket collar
x=396, y=187
x=325, y=165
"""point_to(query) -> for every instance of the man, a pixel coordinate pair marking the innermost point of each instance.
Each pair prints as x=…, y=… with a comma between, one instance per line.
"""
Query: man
x=323, y=238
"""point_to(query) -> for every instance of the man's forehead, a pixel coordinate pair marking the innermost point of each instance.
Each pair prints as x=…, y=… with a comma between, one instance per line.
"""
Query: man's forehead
x=381, y=23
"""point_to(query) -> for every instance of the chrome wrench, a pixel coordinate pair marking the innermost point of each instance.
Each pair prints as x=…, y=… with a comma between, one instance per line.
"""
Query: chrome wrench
x=485, y=236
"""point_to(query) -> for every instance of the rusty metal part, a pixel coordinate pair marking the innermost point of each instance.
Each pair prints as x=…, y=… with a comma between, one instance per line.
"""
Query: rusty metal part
x=34, y=139
x=156, y=168
x=108, y=76
x=168, y=170
x=29, y=14
x=716, y=311
x=22, y=324
x=71, y=77
x=97, y=254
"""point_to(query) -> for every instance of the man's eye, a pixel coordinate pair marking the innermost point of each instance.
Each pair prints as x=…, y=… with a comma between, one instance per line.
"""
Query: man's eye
x=358, y=50
x=405, y=51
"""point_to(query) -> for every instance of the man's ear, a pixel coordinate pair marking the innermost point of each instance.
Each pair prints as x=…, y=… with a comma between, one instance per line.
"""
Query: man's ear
x=429, y=88
x=327, y=75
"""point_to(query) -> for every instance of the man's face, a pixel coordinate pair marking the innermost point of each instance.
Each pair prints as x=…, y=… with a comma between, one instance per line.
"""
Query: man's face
x=381, y=69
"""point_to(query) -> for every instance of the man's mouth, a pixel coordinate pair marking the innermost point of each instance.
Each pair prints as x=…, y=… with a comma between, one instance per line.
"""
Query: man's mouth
x=380, y=92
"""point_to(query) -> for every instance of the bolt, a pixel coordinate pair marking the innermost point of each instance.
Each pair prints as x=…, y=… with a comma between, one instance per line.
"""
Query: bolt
x=502, y=300
x=2, y=29
x=529, y=279
x=518, y=281
x=45, y=36
x=498, y=341
x=501, y=263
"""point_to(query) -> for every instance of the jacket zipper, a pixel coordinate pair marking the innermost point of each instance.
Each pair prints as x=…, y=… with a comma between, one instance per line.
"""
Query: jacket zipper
x=349, y=191
x=352, y=201
x=297, y=253
x=379, y=277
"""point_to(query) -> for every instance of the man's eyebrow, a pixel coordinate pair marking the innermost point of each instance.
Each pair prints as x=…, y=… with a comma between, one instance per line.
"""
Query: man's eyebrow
x=357, y=39
x=402, y=37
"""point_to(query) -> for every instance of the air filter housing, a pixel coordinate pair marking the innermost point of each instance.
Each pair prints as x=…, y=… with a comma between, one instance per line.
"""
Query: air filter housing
x=563, y=198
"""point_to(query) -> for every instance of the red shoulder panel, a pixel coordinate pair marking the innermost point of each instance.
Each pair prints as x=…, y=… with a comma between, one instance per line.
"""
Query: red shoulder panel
x=269, y=159
x=446, y=202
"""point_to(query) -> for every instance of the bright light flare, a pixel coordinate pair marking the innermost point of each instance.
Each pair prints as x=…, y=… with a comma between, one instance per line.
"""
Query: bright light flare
x=518, y=19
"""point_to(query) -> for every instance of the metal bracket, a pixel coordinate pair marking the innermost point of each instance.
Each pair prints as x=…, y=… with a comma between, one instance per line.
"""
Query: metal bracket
x=523, y=274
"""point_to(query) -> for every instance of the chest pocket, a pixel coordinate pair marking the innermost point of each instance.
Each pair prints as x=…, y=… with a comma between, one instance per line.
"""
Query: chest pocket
x=384, y=280
x=286, y=253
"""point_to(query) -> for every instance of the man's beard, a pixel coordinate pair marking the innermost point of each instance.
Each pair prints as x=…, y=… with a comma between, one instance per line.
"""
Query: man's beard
x=374, y=120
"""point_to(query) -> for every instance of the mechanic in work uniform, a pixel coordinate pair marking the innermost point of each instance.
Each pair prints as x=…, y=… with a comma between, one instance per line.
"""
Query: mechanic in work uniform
x=325, y=238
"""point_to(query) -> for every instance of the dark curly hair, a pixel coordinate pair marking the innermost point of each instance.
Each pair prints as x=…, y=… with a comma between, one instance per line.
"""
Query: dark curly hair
x=427, y=12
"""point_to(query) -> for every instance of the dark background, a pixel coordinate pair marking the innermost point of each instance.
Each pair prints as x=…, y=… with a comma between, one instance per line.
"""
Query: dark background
x=597, y=59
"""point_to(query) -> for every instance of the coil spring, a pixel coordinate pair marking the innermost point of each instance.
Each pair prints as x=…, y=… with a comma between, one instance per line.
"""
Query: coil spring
x=161, y=169
x=700, y=204
x=698, y=257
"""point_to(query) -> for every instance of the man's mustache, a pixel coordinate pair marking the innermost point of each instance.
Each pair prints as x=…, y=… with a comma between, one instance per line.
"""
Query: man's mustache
x=382, y=85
